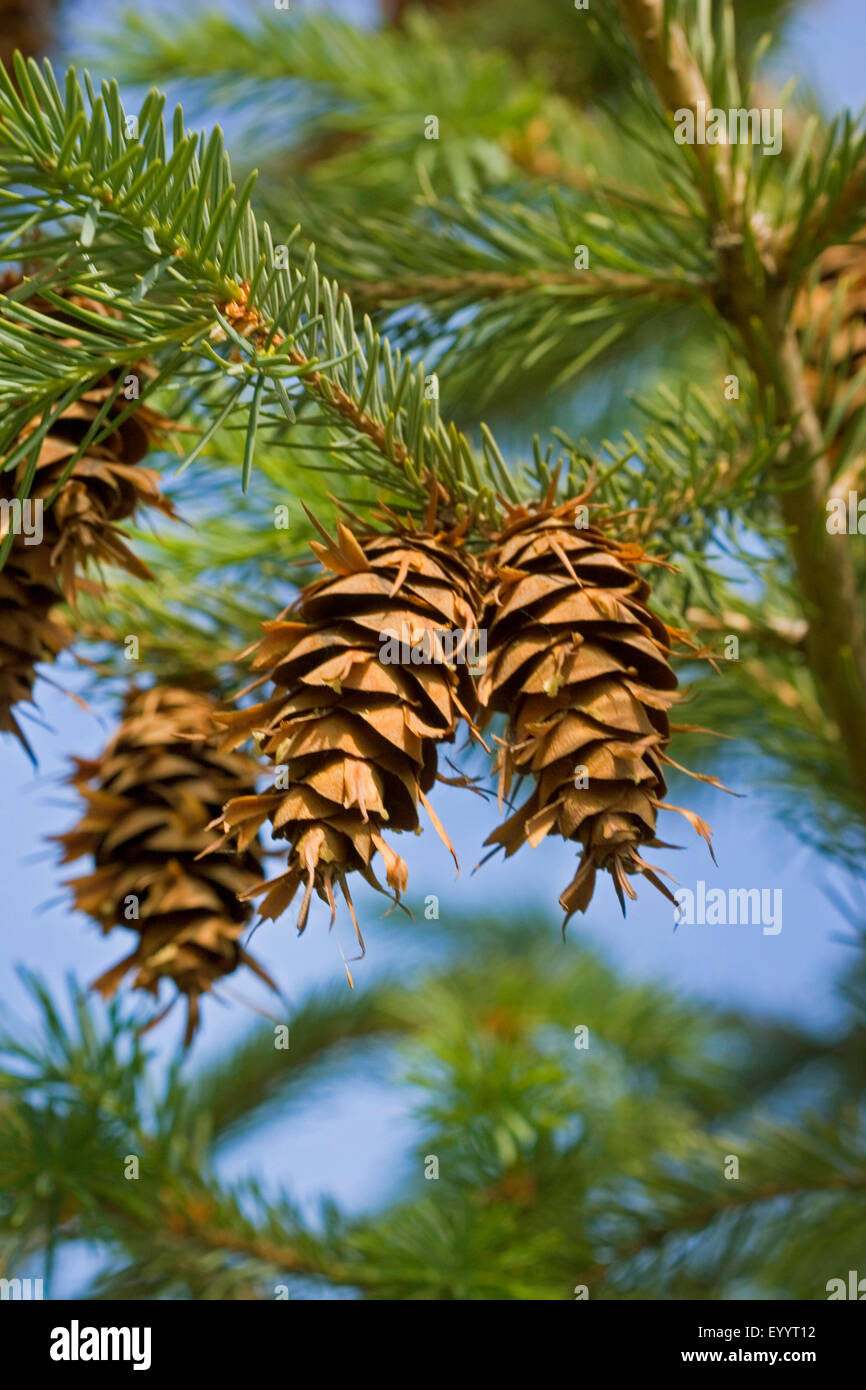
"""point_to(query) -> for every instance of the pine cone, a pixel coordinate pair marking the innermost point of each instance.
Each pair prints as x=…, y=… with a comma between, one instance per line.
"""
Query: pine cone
x=106, y=487
x=835, y=310
x=358, y=710
x=150, y=796
x=581, y=666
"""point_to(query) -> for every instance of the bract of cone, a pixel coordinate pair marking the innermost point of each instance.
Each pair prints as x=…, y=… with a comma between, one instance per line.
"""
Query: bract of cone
x=364, y=692
x=105, y=488
x=148, y=800
x=582, y=668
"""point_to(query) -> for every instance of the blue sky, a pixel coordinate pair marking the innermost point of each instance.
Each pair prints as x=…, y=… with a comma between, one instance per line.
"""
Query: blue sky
x=789, y=975
x=827, y=42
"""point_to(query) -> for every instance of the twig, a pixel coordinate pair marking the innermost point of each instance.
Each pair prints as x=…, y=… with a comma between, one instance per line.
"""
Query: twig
x=789, y=634
x=491, y=284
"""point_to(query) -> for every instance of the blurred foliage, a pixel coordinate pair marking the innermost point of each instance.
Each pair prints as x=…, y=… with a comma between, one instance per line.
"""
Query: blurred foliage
x=564, y=1158
x=552, y=39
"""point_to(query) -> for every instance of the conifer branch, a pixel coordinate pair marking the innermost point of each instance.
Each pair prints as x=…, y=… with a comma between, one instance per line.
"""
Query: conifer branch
x=704, y=1215
x=757, y=302
x=663, y=46
x=480, y=285
x=170, y=230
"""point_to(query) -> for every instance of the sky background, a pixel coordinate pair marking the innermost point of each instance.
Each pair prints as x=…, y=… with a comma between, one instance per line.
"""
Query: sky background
x=354, y=1143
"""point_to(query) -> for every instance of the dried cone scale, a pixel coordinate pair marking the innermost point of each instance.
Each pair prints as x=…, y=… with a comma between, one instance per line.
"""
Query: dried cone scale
x=581, y=666
x=149, y=797
x=30, y=633
x=354, y=723
x=106, y=487
x=834, y=309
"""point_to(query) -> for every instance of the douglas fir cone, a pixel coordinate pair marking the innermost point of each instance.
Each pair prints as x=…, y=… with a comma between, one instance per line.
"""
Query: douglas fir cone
x=354, y=730
x=105, y=488
x=581, y=667
x=149, y=797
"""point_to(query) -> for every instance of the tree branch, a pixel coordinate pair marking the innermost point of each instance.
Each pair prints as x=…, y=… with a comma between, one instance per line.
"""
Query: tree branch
x=695, y=1218
x=491, y=284
x=787, y=634
x=676, y=76
x=761, y=313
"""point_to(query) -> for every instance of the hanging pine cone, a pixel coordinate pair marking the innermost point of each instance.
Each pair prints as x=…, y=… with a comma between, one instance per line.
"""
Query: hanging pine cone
x=106, y=487
x=364, y=693
x=834, y=309
x=581, y=666
x=150, y=796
